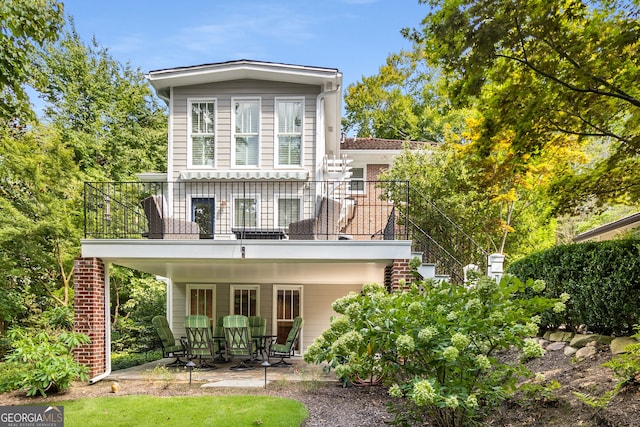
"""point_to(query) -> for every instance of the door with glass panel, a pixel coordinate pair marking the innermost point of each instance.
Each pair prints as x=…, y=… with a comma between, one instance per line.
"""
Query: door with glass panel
x=203, y=212
x=287, y=301
x=201, y=299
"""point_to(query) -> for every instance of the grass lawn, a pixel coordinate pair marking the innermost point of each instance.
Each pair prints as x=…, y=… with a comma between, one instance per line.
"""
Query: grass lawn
x=218, y=411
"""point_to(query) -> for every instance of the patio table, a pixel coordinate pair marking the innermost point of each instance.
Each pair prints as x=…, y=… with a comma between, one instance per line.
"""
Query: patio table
x=264, y=341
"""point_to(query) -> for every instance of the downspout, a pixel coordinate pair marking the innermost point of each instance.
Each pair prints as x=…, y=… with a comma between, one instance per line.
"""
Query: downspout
x=107, y=328
x=320, y=131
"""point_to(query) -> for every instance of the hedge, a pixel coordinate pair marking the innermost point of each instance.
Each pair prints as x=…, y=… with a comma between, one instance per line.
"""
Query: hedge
x=602, y=278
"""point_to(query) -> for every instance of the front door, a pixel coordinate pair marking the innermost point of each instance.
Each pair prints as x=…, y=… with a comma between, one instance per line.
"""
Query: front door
x=287, y=301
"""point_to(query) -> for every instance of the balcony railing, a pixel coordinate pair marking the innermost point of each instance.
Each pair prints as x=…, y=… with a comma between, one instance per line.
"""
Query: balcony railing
x=245, y=210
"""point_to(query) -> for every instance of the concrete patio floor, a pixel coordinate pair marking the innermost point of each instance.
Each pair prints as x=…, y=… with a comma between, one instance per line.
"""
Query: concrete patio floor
x=223, y=376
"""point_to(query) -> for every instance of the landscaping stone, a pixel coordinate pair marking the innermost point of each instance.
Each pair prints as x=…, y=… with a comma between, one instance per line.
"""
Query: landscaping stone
x=582, y=340
x=561, y=336
x=570, y=351
x=619, y=345
x=587, y=351
x=555, y=346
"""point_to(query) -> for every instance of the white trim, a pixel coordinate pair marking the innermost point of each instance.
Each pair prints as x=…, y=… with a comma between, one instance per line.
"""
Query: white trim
x=107, y=327
x=245, y=174
x=171, y=127
x=234, y=287
x=205, y=286
x=190, y=101
x=274, y=321
x=233, y=131
x=276, y=145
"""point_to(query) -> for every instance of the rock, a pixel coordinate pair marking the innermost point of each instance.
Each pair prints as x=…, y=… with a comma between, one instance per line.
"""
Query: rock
x=619, y=345
x=555, y=346
x=584, y=352
x=582, y=340
x=570, y=351
x=561, y=336
x=547, y=335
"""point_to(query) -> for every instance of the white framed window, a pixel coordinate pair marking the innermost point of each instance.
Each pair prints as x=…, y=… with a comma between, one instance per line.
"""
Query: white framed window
x=288, y=210
x=245, y=300
x=201, y=299
x=201, y=128
x=246, y=131
x=245, y=211
x=289, y=131
x=357, y=182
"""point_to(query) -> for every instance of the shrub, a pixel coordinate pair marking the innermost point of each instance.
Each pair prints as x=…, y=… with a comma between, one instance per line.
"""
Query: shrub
x=123, y=360
x=603, y=279
x=434, y=344
x=41, y=360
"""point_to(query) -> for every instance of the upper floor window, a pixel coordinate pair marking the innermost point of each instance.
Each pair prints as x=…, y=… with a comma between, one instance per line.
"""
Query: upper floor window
x=289, y=115
x=201, y=132
x=246, y=126
x=356, y=184
x=245, y=211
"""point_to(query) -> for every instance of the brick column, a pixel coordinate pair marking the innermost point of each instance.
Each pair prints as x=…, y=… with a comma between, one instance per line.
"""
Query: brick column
x=400, y=270
x=89, y=313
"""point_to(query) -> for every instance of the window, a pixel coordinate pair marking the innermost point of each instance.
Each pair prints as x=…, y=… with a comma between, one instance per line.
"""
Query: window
x=201, y=299
x=289, y=115
x=245, y=212
x=288, y=211
x=201, y=133
x=245, y=300
x=356, y=184
x=246, y=127
x=203, y=213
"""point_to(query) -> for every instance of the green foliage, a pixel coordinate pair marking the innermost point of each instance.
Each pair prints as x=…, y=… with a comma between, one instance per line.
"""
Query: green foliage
x=104, y=110
x=541, y=68
x=25, y=25
x=626, y=366
x=403, y=101
x=41, y=360
x=602, y=278
x=124, y=360
x=434, y=344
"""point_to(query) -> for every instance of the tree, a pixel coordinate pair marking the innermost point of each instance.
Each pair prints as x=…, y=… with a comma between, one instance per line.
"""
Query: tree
x=541, y=68
x=25, y=25
x=403, y=101
x=40, y=197
x=104, y=110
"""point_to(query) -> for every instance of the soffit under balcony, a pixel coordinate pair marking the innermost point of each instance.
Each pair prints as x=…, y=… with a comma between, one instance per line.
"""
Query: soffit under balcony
x=345, y=262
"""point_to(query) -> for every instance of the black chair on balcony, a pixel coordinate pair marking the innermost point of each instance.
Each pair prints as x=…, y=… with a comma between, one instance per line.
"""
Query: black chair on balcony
x=163, y=227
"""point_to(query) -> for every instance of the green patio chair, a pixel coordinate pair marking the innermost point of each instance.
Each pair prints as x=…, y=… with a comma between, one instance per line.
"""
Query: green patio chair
x=258, y=330
x=171, y=347
x=286, y=350
x=238, y=340
x=200, y=344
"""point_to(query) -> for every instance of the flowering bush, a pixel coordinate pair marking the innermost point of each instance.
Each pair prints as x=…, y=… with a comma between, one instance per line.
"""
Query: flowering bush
x=434, y=344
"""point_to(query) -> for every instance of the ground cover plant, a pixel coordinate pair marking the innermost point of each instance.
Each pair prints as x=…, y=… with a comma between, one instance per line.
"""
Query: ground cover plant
x=435, y=344
x=152, y=411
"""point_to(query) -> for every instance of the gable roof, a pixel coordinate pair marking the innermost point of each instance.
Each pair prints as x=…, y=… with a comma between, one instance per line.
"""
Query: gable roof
x=383, y=144
x=162, y=80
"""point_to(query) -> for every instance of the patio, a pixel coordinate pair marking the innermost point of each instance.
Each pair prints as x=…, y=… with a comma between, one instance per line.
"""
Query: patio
x=224, y=377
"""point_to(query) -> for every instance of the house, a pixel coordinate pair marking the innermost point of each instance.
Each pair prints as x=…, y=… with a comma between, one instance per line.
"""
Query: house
x=263, y=209
x=610, y=230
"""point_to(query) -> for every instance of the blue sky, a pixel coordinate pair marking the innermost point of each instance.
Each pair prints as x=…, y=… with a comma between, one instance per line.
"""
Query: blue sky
x=354, y=36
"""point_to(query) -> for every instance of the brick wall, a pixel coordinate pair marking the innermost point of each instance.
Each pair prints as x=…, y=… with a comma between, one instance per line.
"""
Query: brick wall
x=89, y=313
x=400, y=270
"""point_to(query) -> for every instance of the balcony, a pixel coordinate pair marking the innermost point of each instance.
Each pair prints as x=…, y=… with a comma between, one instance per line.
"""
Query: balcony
x=245, y=210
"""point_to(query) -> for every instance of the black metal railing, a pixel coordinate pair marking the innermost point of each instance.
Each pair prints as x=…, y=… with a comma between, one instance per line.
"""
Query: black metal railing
x=440, y=240
x=244, y=209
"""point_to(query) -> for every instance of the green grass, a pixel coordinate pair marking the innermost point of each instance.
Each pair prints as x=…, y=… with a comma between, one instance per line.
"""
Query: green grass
x=218, y=411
